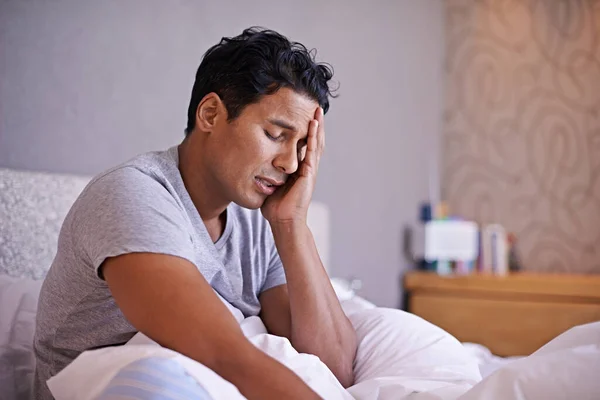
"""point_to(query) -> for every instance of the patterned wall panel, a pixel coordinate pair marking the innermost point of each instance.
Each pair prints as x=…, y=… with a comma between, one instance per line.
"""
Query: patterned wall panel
x=522, y=125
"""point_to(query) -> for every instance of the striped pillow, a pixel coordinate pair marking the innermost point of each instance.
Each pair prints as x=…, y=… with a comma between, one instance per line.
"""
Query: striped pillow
x=154, y=378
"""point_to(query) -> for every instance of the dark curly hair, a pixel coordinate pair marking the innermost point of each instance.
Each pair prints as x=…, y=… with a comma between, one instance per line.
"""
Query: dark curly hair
x=256, y=63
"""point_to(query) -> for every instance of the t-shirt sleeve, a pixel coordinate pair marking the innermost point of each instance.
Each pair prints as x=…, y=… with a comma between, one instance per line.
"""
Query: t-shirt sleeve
x=128, y=211
x=275, y=272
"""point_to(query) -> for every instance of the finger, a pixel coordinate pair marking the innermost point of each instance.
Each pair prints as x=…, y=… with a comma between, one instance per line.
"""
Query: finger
x=311, y=145
x=320, y=117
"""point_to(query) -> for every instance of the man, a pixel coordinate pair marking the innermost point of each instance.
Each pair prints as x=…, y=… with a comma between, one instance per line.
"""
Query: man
x=146, y=242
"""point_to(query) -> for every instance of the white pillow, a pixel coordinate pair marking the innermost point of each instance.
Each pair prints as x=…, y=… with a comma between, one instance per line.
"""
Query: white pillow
x=403, y=354
x=566, y=368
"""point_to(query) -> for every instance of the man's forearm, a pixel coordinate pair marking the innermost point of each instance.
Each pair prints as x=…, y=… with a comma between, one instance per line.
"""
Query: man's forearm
x=318, y=324
x=258, y=376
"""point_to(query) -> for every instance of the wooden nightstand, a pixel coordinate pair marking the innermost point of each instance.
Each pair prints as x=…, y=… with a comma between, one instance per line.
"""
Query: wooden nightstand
x=511, y=315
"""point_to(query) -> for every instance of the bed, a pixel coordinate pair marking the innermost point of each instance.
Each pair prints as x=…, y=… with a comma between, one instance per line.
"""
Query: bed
x=400, y=355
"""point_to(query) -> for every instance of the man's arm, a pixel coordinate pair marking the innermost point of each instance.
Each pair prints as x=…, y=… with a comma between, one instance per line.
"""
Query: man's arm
x=307, y=310
x=167, y=298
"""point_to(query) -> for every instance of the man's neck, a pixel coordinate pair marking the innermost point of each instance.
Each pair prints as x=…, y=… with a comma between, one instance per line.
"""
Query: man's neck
x=211, y=209
x=216, y=227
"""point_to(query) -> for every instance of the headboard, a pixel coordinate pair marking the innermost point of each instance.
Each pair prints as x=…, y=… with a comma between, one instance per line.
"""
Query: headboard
x=33, y=206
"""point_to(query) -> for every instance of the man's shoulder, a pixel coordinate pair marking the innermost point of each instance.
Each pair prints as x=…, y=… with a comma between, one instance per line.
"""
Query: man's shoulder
x=147, y=178
x=158, y=166
x=141, y=171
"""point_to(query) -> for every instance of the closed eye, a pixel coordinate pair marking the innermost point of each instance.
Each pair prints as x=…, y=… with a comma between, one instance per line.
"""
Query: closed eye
x=271, y=137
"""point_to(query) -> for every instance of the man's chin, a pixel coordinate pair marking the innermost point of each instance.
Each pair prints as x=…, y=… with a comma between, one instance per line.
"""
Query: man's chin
x=251, y=204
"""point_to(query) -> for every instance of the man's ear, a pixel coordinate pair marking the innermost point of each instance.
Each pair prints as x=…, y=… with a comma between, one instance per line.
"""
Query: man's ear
x=209, y=111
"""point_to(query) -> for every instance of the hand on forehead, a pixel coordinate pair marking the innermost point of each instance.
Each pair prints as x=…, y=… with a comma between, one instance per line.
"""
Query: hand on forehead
x=288, y=110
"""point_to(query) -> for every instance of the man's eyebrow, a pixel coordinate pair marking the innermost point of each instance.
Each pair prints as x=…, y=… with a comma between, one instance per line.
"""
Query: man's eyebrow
x=282, y=124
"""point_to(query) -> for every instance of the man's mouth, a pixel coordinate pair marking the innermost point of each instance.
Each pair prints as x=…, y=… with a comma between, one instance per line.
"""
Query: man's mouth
x=267, y=185
x=270, y=181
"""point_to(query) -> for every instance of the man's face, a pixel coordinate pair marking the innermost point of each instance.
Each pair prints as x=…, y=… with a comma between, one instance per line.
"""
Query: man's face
x=252, y=155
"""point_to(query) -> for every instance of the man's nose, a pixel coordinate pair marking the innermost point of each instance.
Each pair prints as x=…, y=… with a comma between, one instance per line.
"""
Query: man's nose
x=287, y=160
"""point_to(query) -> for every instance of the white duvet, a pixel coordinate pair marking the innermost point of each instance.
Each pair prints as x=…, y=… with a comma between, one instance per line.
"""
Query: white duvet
x=400, y=356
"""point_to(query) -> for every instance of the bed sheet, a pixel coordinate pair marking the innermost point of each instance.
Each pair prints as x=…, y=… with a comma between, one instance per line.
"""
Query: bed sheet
x=487, y=361
x=565, y=368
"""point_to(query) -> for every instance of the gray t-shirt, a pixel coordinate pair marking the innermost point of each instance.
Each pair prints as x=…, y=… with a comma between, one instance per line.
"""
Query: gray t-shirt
x=141, y=206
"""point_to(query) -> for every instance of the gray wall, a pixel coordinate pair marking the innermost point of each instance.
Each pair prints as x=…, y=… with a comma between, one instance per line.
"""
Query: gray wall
x=85, y=85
